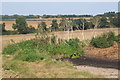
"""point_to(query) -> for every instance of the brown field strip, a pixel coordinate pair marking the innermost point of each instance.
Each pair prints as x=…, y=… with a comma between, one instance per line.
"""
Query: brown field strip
x=88, y=34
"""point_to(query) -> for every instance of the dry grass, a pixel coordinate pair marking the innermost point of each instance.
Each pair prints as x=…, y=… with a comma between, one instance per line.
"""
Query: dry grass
x=88, y=34
x=41, y=69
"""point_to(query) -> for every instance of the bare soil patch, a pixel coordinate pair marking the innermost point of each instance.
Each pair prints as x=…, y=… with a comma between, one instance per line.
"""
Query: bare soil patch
x=99, y=61
x=99, y=57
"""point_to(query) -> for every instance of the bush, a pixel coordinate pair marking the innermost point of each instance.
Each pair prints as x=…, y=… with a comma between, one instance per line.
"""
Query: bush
x=39, y=49
x=31, y=57
x=68, y=49
x=9, y=33
x=117, y=38
x=103, y=41
x=25, y=51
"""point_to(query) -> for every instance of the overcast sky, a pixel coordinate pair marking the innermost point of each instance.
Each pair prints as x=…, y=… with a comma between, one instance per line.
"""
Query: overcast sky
x=40, y=8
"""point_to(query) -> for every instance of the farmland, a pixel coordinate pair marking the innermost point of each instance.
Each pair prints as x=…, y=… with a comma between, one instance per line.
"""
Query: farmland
x=91, y=52
x=59, y=40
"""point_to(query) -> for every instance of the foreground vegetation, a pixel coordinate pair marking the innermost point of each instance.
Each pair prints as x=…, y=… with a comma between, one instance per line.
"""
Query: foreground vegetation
x=39, y=49
x=47, y=68
x=44, y=58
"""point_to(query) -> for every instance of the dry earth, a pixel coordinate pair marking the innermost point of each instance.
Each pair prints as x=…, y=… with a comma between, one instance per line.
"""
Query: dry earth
x=100, y=61
x=106, y=72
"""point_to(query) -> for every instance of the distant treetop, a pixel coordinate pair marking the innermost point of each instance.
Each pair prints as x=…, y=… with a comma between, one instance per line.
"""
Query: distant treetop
x=107, y=14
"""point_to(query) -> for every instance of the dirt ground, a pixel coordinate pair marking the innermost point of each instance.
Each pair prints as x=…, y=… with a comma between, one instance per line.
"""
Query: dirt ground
x=105, y=72
x=99, y=61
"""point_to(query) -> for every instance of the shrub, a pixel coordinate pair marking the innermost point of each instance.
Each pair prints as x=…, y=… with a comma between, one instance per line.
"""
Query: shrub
x=39, y=49
x=68, y=49
x=117, y=38
x=10, y=49
x=25, y=50
x=103, y=41
x=9, y=32
x=31, y=57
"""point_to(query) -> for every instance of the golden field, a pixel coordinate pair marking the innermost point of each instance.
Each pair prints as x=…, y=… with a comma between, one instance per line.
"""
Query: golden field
x=34, y=22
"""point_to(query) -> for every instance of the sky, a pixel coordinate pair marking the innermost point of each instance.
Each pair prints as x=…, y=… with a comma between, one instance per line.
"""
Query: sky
x=59, y=0
x=53, y=8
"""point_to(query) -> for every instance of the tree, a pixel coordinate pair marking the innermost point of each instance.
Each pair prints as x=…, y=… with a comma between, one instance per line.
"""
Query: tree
x=31, y=29
x=69, y=26
x=14, y=26
x=42, y=30
x=115, y=21
x=54, y=25
x=103, y=22
x=83, y=27
x=3, y=27
x=63, y=23
x=21, y=25
x=80, y=23
x=95, y=21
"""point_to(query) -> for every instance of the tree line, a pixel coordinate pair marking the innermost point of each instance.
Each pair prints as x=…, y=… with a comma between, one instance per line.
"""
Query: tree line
x=107, y=14
x=66, y=24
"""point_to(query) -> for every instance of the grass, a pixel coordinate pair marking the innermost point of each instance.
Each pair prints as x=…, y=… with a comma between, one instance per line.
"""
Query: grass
x=48, y=68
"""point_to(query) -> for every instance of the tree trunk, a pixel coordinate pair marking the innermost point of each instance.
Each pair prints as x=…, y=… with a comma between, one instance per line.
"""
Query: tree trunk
x=83, y=25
